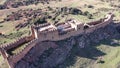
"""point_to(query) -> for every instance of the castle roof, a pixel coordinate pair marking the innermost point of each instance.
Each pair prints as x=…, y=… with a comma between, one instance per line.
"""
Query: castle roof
x=47, y=28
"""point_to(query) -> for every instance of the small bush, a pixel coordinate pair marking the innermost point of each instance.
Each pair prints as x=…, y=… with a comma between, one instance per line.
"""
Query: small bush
x=1, y=25
x=75, y=11
x=90, y=6
x=101, y=61
x=89, y=16
x=41, y=21
x=50, y=9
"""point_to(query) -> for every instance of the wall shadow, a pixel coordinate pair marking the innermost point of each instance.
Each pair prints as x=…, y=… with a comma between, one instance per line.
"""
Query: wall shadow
x=91, y=52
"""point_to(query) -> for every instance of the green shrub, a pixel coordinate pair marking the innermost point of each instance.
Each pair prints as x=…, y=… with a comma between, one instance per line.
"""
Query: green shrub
x=86, y=13
x=89, y=16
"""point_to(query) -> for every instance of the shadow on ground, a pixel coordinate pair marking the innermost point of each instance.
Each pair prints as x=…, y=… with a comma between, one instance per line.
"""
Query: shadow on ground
x=89, y=52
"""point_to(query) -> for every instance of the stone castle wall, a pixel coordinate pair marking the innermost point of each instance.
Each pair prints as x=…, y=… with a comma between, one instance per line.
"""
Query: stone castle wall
x=19, y=56
x=36, y=52
x=19, y=41
x=14, y=44
x=29, y=46
x=15, y=58
x=52, y=35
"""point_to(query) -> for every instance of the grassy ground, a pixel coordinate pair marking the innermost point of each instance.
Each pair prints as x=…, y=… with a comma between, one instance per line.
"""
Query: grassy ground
x=66, y=3
x=3, y=63
x=89, y=57
x=112, y=55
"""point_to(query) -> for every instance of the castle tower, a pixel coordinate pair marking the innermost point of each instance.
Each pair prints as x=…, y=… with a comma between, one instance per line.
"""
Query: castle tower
x=34, y=31
x=110, y=15
x=3, y=53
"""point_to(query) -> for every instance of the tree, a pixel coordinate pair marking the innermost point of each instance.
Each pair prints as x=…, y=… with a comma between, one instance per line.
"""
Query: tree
x=75, y=11
x=49, y=8
x=41, y=21
x=86, y=13
x=90, y=6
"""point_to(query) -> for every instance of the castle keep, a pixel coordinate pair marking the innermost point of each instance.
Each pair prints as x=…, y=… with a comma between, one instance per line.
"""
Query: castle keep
x=69, y=28
x=50, y=32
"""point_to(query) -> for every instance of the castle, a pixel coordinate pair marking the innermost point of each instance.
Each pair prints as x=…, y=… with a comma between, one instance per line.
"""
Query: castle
x=50, y=32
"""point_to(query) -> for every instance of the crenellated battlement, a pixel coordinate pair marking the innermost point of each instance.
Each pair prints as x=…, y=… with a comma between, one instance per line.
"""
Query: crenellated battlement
x=5, y=46
x=15, y=43
x=47, y=31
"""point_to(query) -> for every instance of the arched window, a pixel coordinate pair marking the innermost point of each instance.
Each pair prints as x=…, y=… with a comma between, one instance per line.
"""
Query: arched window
x=86, y=26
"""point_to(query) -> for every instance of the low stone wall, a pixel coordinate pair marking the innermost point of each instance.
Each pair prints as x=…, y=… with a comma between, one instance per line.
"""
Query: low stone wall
x=15, y=58
x=17, y=42
x=12, y=60
x=34, y=53
x=14, y=44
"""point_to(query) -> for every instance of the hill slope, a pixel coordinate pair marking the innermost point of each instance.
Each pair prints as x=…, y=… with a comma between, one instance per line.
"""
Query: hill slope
x=103, y=54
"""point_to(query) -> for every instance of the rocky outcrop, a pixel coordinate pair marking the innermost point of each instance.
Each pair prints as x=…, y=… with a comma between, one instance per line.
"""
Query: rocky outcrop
x=59, y=55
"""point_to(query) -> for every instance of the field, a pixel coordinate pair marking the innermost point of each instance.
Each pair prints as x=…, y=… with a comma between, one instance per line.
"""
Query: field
x=110, y=54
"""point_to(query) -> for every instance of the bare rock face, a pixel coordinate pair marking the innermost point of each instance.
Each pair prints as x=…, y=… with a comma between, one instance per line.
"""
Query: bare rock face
x=46, y=54
x=50, y=54
x=108, y=32
x=60, y=54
